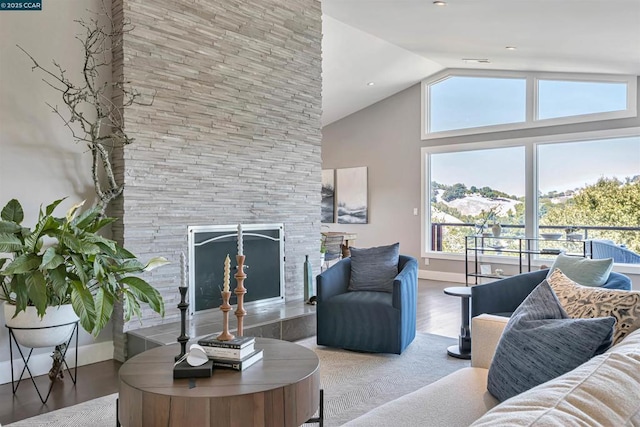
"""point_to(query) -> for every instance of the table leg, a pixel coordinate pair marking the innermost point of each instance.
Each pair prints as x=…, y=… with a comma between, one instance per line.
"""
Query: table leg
x=463, y=349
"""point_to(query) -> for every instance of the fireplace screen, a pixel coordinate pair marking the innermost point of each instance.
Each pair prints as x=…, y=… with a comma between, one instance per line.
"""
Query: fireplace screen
x=264, y=251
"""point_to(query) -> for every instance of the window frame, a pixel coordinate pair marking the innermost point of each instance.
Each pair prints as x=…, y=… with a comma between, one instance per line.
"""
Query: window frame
x=530, y=145
x=531, y=100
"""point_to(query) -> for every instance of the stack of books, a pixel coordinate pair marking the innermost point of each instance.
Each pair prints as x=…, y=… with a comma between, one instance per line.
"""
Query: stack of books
x=237, y=354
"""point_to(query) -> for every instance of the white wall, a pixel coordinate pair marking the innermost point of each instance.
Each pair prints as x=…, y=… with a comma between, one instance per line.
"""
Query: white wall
x=385, y=137
x=40, y=161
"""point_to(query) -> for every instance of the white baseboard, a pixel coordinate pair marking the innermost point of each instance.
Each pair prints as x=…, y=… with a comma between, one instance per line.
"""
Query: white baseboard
x=441, y=276
x=40, y=364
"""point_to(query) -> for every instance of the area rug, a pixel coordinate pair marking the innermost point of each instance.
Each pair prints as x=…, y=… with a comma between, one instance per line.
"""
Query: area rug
x=354, y=383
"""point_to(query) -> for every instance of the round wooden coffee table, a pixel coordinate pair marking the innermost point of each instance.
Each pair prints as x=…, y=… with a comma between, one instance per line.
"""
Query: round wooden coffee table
x=283, y=389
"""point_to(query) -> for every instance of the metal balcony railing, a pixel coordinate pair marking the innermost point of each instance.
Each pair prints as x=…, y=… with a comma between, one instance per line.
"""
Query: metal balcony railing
x=587, y=231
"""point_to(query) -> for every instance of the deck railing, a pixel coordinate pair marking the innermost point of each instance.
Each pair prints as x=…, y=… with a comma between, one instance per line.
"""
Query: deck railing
x=587, y=231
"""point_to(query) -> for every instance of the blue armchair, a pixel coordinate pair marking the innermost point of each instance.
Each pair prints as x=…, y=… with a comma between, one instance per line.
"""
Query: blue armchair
x=376, y=322
x=607, y=249
x=503, y=296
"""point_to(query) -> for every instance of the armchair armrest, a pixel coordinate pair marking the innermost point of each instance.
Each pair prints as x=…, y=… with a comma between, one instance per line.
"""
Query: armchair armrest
x=504, y=295
x=333, y=281
x=404, y=284
x=618, y=281
x=486, y=331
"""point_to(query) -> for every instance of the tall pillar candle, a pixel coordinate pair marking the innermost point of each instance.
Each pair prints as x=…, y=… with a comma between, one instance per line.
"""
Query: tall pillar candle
x=183, y=270
x=240, y=248
x=227, y=274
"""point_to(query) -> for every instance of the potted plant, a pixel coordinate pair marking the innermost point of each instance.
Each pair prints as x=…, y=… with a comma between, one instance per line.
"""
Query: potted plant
x=62, y=265
x=323, y=251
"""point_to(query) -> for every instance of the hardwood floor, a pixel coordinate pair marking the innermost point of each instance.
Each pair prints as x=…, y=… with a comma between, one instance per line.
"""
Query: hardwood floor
x=437, y=314
x=95, y=380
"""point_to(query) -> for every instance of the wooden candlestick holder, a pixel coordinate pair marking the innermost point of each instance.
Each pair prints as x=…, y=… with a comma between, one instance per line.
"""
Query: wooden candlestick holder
x=240, y=291
x=225, y=307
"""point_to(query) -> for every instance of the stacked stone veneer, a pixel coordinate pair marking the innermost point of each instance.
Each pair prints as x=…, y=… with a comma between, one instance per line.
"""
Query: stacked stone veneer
x=233, y=134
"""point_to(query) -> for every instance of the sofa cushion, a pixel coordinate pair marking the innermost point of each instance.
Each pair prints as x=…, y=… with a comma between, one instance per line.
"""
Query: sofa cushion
x=587, y=302
x=540, y=342
x=455, y=400
x=374, y=269
x=601, y=392
x=587, y=272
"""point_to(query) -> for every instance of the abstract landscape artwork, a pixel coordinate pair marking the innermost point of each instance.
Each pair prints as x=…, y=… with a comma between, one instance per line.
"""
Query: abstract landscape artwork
x=352, y=195
x=328, y=196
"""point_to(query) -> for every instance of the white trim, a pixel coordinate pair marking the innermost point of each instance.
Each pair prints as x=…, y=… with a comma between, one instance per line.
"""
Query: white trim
x=40, y=364
x=531, y=100
x=441, y=276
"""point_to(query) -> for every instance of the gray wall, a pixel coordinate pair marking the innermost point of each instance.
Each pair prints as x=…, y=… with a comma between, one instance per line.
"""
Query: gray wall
x=40, y=161
x=385, y=137
x=233, y=134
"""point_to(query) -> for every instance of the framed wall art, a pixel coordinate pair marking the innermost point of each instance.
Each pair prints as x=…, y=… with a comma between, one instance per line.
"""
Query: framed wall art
x=352, y=197
x=327, y=204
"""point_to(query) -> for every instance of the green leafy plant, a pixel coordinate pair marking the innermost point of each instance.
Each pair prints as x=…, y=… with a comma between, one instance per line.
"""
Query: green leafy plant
x=64, y=260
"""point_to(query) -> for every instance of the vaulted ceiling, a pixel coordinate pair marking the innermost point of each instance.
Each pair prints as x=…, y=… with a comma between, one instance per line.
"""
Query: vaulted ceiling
x=396, y=43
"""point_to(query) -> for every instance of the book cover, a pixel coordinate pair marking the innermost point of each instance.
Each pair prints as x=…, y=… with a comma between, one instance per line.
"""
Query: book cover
x=238, y=365
x=237, y=342
x=229, y=353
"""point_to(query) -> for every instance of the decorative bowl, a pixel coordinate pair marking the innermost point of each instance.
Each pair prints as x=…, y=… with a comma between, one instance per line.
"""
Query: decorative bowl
x=551, y=236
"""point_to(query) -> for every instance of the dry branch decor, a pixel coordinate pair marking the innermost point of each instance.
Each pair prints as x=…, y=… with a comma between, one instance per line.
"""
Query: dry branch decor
x=90, y=112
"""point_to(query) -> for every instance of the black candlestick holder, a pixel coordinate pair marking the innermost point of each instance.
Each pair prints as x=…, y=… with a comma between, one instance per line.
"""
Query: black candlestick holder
x=183, y=338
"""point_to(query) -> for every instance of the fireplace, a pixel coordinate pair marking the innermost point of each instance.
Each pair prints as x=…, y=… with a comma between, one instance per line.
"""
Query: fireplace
x=263, y=246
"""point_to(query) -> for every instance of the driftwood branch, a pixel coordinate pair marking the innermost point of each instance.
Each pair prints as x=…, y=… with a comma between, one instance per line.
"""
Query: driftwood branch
x=90, y=114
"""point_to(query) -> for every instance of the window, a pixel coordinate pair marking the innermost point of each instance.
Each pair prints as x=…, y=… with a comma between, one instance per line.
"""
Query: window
x=471, y=102
x=574, y=98
x=586, y=184
x=593, y=186
x=463, y=102
x=471, y=190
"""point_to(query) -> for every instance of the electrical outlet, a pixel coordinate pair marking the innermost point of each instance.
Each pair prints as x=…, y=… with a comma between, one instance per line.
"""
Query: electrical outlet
x=415, y=211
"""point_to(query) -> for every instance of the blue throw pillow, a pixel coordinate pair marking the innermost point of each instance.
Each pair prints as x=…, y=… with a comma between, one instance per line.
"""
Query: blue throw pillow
x=585, y=271
x=374, y=269
x=541, y=342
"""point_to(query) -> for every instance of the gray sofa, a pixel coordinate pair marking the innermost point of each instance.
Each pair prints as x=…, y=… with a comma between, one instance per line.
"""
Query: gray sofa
x=602, y=392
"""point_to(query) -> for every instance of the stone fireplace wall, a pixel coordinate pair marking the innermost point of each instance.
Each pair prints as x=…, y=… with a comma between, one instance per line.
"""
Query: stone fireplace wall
x=233, y=134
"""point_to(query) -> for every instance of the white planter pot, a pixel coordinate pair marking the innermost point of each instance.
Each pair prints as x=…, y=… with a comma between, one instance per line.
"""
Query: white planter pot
x=51, y=335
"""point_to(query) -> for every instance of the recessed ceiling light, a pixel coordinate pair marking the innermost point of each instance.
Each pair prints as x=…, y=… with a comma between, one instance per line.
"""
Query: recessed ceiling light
x=511, y=48
x=476, y=60
x=440, y=3
x=370, y=84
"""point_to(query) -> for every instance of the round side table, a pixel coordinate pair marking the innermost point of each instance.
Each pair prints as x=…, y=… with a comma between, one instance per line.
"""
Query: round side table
x=463, y=349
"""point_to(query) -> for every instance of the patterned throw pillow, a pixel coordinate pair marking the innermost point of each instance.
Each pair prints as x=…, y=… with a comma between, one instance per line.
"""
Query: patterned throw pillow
x=587, y=302
x=540, y=342
x=374, y=269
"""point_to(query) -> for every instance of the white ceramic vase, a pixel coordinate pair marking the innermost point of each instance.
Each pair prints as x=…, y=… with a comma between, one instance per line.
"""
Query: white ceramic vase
x=496, y=229
x=51, y=334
